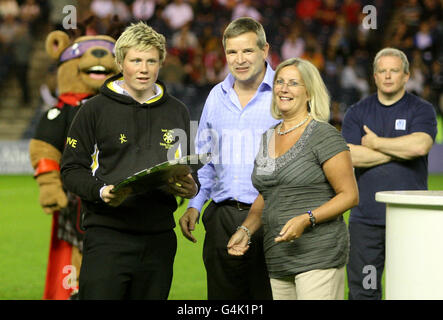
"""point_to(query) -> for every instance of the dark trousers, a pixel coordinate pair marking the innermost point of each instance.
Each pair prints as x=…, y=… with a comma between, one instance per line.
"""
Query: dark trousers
x=366, y=261
x=118, y=265
x=230, y=277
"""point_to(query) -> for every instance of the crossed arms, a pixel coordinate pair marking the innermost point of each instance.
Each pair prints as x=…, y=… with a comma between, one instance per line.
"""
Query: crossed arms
x=375, y=150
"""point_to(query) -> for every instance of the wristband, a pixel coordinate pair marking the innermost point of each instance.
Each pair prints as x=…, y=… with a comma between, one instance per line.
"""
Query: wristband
x=247, y=232
x=100, y=192
x=46, y=165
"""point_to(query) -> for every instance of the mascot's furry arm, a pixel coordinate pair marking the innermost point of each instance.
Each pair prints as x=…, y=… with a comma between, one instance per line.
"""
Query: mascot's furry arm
x=45, y=159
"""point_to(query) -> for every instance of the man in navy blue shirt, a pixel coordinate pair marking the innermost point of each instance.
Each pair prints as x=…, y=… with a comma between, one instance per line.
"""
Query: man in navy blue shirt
x=390, y=134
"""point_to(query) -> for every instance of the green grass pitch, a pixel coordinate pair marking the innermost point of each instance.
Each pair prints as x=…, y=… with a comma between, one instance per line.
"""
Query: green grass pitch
x=24, y=241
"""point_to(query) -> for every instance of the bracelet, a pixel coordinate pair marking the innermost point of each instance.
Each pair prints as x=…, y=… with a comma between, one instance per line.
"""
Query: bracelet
x=311, y=218
x=247, y=232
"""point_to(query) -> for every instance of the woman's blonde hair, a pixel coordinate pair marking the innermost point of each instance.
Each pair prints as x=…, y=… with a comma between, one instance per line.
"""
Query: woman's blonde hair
x=319, y=100
x=141, y=37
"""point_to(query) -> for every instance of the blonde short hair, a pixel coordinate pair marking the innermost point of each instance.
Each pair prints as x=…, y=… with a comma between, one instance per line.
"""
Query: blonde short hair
x=141, y=37
x=319, y=100
x=393, y=53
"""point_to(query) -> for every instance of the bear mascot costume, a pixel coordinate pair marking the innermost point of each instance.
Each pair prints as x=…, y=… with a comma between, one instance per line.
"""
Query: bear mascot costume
x=84, y=63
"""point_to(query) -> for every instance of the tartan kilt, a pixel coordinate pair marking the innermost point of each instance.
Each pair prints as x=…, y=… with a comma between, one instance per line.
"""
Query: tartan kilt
x=69, y=222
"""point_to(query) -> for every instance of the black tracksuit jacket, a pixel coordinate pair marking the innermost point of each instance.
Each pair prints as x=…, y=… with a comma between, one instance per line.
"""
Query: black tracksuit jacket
x=111, y=138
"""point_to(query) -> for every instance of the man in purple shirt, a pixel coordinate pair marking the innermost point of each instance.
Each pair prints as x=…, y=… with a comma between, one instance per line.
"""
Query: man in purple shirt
x=236, y=113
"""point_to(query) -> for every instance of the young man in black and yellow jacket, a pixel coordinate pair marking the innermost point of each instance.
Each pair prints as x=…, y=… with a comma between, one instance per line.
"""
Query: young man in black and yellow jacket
x=132, y=124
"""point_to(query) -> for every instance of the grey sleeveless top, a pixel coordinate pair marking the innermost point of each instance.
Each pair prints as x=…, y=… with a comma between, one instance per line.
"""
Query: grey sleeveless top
x=292, y=184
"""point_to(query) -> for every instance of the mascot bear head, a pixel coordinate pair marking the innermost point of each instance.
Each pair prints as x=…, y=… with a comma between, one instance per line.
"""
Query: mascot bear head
x=84, y=64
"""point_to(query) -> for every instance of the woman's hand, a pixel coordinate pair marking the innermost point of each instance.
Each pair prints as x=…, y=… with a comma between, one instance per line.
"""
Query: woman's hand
x=239, y=243
x=294, y=228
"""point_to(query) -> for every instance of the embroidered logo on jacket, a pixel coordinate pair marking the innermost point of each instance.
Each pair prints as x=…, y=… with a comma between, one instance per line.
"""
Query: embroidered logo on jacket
x=123, y=138
x=53, y=113
x=71, y=142
x=170, y=144
x=168, y=138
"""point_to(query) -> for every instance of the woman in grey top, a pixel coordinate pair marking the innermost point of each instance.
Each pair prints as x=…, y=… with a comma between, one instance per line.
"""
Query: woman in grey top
x=305, y=179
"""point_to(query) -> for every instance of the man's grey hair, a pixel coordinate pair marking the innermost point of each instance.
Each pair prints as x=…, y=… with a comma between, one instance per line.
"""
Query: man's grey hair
x=393, y=53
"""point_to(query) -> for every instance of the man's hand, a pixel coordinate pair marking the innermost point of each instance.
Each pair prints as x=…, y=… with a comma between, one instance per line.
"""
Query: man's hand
x=116, y=198
x=183, y=186
x=187, y=223
x=369, y=140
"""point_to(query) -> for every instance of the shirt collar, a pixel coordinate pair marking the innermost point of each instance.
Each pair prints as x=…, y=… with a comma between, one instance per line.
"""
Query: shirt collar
x=228, y=83
x=117, y=86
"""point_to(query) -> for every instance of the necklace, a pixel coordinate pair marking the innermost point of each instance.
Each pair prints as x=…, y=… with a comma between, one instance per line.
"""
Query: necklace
x=294, y=127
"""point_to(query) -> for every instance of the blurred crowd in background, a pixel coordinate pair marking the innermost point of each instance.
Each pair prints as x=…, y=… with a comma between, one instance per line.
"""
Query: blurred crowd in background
x=329, y=33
